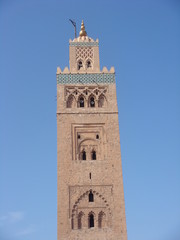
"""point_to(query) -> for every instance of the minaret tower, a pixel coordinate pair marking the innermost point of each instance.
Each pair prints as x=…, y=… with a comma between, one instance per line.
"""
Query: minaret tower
x=90, y=204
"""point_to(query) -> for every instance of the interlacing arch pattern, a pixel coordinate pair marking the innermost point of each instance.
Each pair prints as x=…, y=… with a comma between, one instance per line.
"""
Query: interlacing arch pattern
x=86, y=97
x=84, y=57
x=90, y=218
x=84, y=53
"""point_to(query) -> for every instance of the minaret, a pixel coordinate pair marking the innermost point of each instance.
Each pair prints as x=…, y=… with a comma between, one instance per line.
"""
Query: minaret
x=90, y=204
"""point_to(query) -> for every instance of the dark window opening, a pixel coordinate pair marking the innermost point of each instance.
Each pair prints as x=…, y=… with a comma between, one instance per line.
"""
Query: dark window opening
x=79, y=136
x=83, y=155
x=91, y=197
x=86, y=92
x=96, y=92
x=80, y=65
x=91, y=220
x=88, y=64
x=92, y=102
x=90, y=175
x=97, y=136
x=93, y=155
x=81, y=102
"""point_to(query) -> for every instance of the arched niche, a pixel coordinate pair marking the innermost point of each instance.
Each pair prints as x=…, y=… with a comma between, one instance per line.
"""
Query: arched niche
x=102, y=101
x=71, y=102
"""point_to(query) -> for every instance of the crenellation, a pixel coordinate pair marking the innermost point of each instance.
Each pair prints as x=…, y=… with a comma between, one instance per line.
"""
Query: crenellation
x=84, y=70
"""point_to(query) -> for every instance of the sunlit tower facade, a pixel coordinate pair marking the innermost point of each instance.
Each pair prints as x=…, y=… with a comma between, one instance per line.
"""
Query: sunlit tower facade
x=90, y=196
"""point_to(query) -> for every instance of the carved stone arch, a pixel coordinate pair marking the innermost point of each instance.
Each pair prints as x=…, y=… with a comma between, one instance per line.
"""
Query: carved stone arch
x=92, y=100
x=87, y=144
x=92, y=212
x=76, y=92
x=96, y=91
x=86, y=91
x=85, y=194
x=71, y=101
x=87, y=139
x=102, y=101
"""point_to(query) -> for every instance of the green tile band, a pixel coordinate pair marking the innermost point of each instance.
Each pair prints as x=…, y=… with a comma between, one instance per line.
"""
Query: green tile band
x=85, y=78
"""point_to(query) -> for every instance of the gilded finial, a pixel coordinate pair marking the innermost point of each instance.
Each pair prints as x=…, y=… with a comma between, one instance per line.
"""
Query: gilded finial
x=82, y=32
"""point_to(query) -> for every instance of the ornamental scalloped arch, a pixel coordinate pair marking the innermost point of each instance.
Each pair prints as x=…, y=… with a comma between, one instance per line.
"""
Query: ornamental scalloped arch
x=75, y=206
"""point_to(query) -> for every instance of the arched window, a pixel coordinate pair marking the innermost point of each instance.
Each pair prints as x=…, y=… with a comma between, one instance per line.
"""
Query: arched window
x=70, y=101
x=88, y=64
x=81, y=102
x=92, y=102
x=80, y=65
x=101, y=219
x=101, y=101
x=83, y=155
x=91, y=197
x=91, y=220
x=93, y=155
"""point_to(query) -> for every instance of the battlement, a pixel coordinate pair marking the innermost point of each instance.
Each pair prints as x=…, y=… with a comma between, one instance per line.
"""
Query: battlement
x=82, y=71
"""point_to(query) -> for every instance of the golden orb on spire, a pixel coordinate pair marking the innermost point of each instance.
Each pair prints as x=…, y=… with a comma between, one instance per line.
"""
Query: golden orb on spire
x=82, y=32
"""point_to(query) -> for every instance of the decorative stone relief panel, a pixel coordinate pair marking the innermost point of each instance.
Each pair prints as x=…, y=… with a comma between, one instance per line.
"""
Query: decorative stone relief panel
x=94, y=96
x=84, y=53
x=84, y=58
x=99, y=209
x=88, y=142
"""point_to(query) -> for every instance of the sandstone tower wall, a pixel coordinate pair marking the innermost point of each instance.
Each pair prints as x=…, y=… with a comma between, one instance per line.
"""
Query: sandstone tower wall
x=89, y=172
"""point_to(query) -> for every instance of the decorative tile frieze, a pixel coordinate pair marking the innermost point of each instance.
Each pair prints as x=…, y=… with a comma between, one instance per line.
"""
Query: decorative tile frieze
x=85, y=78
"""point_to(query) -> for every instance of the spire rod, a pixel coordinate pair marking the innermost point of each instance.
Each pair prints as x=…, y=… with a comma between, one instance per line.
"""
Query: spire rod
x=82, y=32
x=74, y=24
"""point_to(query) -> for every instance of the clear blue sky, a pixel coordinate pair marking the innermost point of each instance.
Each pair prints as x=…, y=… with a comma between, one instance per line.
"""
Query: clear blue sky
x=141, y=39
